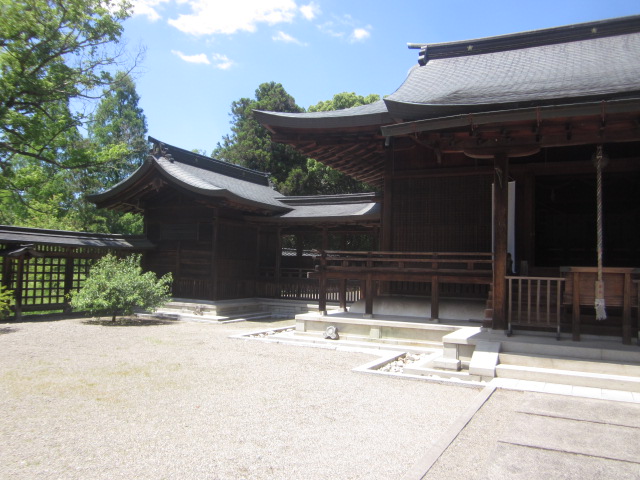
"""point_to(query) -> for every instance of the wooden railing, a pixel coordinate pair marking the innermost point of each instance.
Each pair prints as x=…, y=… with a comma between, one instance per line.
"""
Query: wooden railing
x=296, y=284
x=371, y=267
x=534, y=302
x=618, y=294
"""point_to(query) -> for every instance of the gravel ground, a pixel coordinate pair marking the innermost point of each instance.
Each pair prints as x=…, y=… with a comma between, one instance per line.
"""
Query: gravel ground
x=182, y=400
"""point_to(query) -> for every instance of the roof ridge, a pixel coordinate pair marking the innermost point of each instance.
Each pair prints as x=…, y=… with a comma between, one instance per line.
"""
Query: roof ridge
x=211, y=164
x=532, y=38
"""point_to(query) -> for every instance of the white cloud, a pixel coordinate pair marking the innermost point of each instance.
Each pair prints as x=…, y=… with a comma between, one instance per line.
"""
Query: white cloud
x=360, y=34
x=329, y=28
x=199, y=58
x=210, y=17
x=222, y=61
x=286, y=38
x=310, y=11
x=346, y=28
x=148, y=8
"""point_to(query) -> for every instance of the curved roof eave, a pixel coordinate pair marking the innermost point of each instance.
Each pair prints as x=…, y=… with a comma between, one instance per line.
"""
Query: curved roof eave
x=183, y=180
x=420, y=111
x=193, y=184
x=369, y=115
x=118, y=188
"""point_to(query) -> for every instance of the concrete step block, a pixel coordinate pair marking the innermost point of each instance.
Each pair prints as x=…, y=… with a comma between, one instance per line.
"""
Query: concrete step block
x=484, y=359
x=575, y=364
x=569, y=377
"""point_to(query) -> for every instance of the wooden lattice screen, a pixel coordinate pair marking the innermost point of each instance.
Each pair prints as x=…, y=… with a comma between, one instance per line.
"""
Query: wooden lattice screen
x=43, y=283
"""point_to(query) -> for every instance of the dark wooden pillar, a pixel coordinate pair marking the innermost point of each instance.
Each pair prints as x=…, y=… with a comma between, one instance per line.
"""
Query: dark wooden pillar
x=500, y=219
x=575, y=317
x=214, y=255
x=17, y=293
x=387, y=203
x=322, y=300
x=278, y=261
x=368, y=296
x=342, y=294
x=435, y=298
x=626, y=310
x=68, y=280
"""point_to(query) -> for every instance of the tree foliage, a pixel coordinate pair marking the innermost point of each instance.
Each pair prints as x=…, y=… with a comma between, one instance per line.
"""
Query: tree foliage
x=56, y=59
x=343, y=100
x=119, y=122
x=6, y=300
x=40, y=194
x=250, y=144
x=315, y=178
x=116, y=287
x=52, y=53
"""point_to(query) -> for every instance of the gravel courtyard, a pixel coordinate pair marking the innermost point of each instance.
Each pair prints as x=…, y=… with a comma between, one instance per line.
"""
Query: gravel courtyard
x=183, y=401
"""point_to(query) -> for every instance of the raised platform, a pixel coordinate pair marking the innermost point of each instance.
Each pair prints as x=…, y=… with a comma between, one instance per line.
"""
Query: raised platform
x=397, y=321
x=465, y=350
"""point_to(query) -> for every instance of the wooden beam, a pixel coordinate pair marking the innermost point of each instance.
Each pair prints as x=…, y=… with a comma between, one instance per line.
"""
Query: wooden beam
x=500, y=217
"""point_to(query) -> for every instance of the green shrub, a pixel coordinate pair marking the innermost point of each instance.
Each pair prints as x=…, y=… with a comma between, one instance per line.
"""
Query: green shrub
x=116, y=287
x=6, y=300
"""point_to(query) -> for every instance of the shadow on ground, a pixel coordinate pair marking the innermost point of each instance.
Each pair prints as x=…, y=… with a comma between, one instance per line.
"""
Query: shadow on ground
x=127, y=322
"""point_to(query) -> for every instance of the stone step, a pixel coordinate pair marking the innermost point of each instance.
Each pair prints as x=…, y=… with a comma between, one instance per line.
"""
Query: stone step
x=171, y=314
x=569, y=377
x=573, y=364
x=595, y=351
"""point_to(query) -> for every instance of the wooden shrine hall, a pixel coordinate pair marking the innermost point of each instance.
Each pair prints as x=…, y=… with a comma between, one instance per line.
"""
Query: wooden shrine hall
x=508, y=170
x=517, y=153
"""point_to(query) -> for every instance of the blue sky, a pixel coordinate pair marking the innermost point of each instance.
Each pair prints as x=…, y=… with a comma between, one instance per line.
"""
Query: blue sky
x=201, y=55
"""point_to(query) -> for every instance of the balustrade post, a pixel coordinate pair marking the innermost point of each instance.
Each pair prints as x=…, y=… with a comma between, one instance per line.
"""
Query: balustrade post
x=322, y=301
x=435, y=298
x=575, y=323
x=626, y=310
x=343, y=294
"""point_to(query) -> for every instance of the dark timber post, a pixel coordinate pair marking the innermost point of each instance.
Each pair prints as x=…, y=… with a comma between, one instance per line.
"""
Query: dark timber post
x=68, y=280
x=278, y=261
x=214, y=255
x=322, y=300
x=17, y=294
x=500, y=202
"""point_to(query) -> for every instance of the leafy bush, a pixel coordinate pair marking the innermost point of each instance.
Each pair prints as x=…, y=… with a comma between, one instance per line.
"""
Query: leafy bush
x=116, y=287
x=6, y=300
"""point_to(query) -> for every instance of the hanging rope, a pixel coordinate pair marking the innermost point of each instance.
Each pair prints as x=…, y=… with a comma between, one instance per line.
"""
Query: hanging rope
x=601, y=313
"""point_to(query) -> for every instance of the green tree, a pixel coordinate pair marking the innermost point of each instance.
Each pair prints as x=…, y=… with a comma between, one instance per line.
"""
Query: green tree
x=315, y=178
x=343, y=100
x=52, y=53
x=55, y=57
x=40, y=194
x=6, y=300
x=116, y=287
x=249, y=143
x=119, y=122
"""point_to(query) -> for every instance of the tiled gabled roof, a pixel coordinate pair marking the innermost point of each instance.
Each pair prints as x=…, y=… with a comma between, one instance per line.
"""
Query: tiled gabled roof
x=494, y=74
x=202, y=175
x=571, y=64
